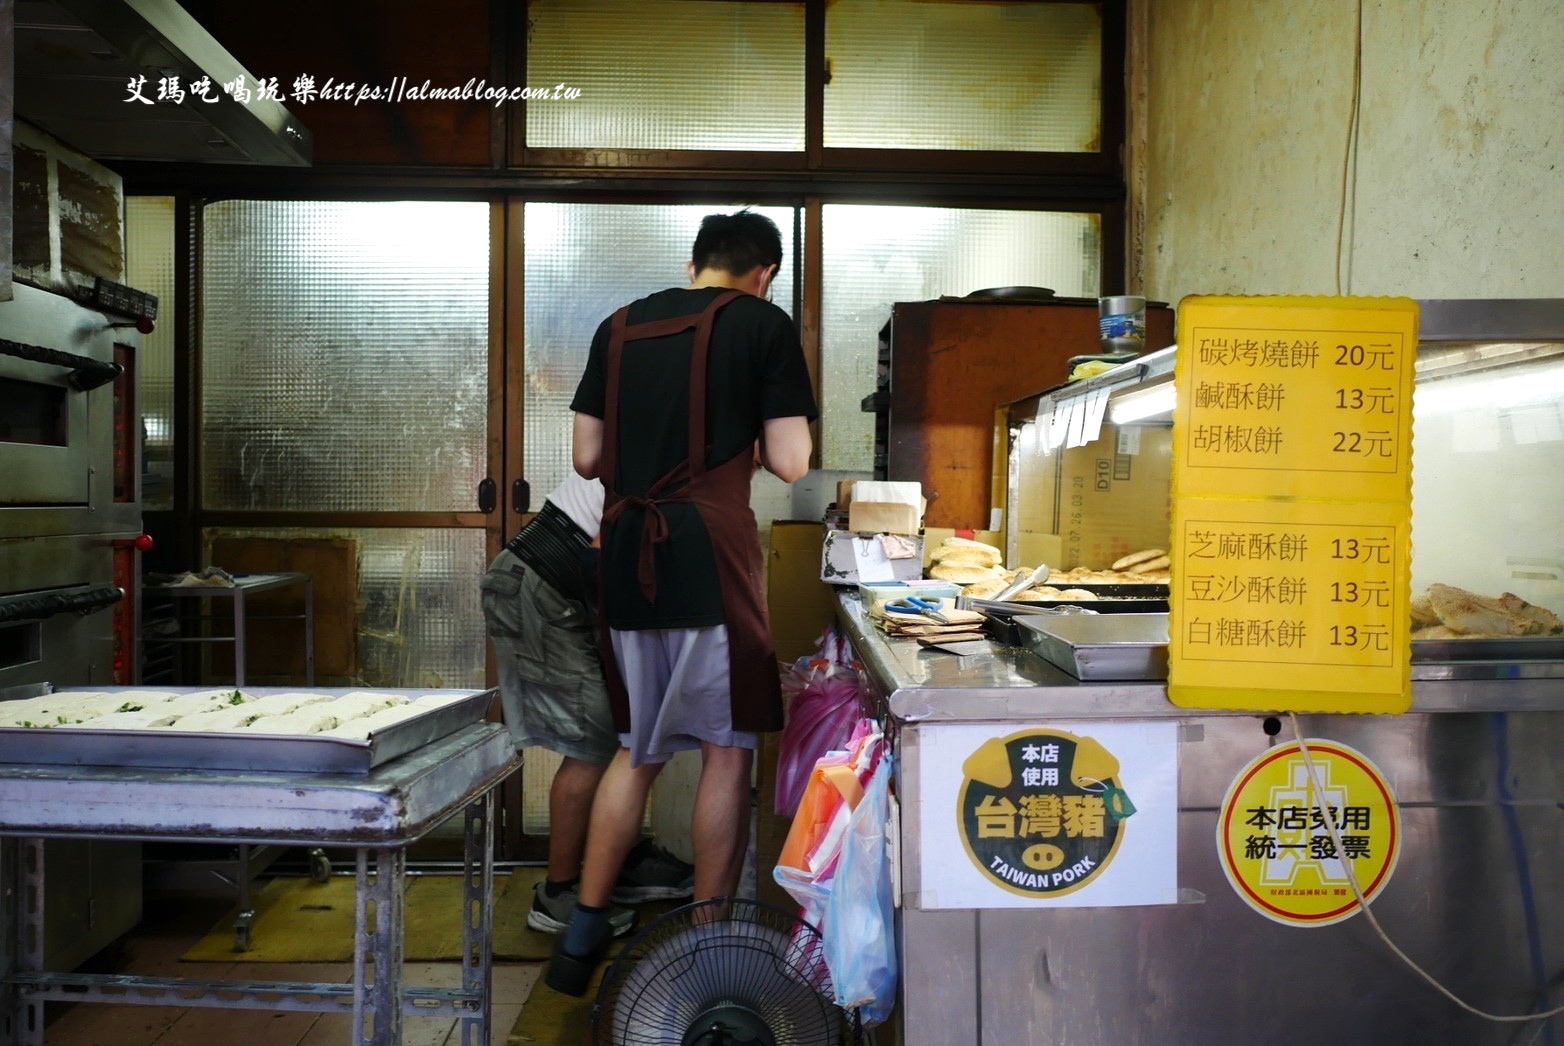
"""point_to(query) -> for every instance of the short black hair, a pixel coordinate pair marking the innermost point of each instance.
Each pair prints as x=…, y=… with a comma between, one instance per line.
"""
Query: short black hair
x=737, y=243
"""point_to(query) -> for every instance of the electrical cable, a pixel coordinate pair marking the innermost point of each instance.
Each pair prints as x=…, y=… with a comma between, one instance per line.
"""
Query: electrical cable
x=1328, y=815
x=1512, y=824
x=1349, y=157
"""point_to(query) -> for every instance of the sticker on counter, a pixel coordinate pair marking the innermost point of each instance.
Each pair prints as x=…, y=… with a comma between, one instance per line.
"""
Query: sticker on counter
x=1068, y=815
x=1276, y=848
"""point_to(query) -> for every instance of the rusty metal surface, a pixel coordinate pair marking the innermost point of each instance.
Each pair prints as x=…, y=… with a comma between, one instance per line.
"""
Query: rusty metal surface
x=394, y=804
x=188, y=750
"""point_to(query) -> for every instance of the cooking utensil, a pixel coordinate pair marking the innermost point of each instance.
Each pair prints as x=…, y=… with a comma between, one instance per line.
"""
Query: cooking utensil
x=1020, y=585
x=1015, y=293
x=913, y=605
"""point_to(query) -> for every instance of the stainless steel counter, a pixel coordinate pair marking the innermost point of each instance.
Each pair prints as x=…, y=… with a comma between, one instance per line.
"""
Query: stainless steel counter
x=378, y=814
x=1480, y=789
x=1013, y=682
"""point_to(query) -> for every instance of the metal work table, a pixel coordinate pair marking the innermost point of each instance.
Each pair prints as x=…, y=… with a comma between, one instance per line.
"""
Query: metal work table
x=1481, y=794
x=921, y=685
x=379, y=815
x=244, y=585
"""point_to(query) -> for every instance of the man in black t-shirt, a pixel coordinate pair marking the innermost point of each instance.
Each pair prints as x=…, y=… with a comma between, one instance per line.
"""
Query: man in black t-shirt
x=685, y=392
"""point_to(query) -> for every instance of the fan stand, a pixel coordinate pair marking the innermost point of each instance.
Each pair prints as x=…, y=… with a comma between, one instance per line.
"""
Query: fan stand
x=728, y=1025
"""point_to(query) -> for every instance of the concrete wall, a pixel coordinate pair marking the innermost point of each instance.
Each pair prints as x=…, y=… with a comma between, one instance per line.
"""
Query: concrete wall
x=1457, y=189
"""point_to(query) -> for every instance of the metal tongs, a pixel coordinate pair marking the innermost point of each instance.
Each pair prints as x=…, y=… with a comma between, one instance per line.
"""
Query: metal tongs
x=1016, y=587
x=914, y=605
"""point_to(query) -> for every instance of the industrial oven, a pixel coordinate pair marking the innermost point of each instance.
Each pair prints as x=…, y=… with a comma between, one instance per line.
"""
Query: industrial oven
x=70, y=542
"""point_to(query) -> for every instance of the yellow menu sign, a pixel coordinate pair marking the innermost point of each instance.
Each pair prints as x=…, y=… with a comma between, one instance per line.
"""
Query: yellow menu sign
x=1292, y=504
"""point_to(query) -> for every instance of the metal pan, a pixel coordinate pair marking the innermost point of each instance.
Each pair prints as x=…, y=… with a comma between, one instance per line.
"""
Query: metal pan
x=1104, y=605
x=1516, y=648
x=1145, y=590
x=187, y=750
x=1095, y=647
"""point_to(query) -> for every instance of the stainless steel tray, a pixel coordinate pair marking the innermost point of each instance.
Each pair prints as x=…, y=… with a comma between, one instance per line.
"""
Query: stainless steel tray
x=1102, y=646
x=1102, y=605
x=188, y=750
x=1510, y=648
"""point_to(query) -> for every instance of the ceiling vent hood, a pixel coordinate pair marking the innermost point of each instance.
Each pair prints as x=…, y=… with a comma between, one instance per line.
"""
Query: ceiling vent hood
x=76, y=60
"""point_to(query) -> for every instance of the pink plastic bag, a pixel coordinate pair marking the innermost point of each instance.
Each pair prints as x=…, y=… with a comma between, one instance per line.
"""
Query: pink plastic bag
x=824, y=704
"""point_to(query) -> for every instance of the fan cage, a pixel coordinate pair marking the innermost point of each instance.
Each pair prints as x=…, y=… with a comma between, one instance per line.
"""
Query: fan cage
x=722, y=956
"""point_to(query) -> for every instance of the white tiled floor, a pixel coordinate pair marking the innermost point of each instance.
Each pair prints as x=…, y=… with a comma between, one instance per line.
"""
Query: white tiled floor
x=175, y=922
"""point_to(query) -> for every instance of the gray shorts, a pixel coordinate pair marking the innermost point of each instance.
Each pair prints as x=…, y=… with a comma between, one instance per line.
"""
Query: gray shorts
x=551, y=674
x=680, y=695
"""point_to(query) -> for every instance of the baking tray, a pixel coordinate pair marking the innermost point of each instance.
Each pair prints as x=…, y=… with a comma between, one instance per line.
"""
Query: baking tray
x=1096, y=647
x=188, y=750
x=1510, y=648
x=1103, y=605
x=1139, y=590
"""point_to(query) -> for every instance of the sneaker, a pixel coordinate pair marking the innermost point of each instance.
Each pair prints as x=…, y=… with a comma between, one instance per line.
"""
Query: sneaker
x=653, y=874
x=552, y=914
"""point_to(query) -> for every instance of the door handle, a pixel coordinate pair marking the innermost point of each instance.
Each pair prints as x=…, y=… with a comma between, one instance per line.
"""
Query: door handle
x=487, y=495
x=86, y=372
x=521, y=497
x=38, y=606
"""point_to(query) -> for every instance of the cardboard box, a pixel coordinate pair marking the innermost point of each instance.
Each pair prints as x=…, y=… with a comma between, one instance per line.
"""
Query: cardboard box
x=848, y=557
x=1087, y=506
x=886, y=507
x=800, y=604
x=883, y=517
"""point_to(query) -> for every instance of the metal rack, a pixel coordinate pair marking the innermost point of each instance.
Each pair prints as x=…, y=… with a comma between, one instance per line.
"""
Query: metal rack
x=379, y=815
x=243, y=587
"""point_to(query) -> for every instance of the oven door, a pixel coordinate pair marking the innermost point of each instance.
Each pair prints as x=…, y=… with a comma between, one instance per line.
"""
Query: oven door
x=58, y=378
x=61, y=613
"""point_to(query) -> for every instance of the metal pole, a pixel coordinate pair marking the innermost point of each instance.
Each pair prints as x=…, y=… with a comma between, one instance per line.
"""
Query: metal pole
x=478, y=920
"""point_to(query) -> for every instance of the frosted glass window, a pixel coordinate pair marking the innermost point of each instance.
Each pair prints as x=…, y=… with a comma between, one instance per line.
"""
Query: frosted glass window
x=420, y=620
x=344, y=355
x=583, y=261
x=149, y=267
x=963, y=75
x=875, y=256
x=667, y=74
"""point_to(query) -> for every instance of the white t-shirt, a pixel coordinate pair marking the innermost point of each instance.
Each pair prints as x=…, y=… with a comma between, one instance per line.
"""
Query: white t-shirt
x=581, y=500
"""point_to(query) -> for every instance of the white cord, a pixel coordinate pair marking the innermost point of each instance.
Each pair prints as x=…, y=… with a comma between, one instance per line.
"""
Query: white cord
x=1352, y=878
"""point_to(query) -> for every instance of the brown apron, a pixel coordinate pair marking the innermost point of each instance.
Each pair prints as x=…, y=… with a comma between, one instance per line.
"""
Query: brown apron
x=721, y=498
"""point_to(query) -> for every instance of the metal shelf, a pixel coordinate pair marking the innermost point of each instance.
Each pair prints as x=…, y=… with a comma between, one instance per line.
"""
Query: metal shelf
x=161, y=650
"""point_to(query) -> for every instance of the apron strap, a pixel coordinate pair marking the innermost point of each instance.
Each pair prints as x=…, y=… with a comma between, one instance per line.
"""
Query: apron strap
x=698, y=360
x=608, y=458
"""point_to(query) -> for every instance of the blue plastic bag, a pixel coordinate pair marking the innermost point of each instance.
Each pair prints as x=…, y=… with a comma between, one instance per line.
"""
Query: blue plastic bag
x=859, y=927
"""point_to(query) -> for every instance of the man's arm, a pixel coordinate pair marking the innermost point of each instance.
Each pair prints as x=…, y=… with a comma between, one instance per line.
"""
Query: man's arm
x=587, y=449
x=784, y=448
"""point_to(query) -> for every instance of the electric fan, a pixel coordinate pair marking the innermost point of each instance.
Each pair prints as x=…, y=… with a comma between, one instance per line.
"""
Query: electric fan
x=721, y=973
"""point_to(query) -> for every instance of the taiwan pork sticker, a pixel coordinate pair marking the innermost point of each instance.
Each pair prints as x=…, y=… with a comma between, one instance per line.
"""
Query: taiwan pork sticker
x=1275, y=845
x=1041, y=812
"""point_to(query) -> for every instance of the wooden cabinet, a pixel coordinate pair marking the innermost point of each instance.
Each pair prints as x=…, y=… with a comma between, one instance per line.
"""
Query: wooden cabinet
x=952, y=363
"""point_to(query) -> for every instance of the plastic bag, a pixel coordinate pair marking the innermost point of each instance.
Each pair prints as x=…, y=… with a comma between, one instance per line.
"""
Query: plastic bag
x=825, y=700
x=859, y=921
x=814, y=840
x=836, y=865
